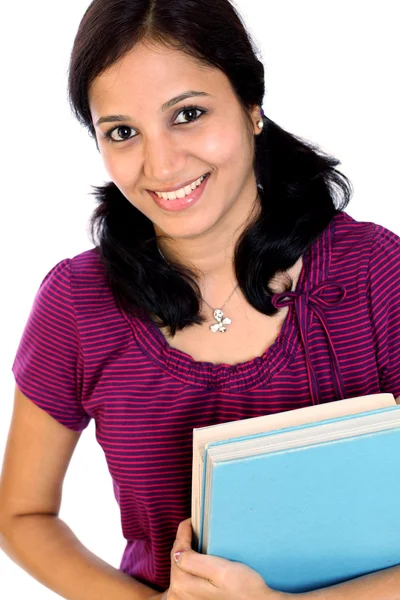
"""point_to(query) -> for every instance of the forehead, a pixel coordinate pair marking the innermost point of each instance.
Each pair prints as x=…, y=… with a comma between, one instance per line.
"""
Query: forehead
x=148, y=76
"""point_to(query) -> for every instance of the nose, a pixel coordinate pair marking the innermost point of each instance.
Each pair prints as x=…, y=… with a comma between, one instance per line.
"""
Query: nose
x=164, y=158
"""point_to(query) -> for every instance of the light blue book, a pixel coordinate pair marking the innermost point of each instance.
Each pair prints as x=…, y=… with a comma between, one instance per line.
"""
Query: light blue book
x=306, y=506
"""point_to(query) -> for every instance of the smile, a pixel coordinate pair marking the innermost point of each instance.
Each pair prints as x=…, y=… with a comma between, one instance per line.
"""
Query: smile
x=181, y=199
x=182, y=192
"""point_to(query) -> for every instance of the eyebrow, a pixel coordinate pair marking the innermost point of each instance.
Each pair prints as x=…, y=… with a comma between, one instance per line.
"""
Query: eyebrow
x=166, y=106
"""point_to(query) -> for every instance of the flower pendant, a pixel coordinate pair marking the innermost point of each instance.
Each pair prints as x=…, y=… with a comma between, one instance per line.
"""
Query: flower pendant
x=221, y=323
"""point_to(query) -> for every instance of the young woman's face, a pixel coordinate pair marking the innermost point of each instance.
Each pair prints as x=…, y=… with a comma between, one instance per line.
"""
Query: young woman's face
x=147, y=146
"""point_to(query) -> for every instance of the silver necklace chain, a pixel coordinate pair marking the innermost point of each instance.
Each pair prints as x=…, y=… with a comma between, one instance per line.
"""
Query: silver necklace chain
x=224, y=303
x=222, y=322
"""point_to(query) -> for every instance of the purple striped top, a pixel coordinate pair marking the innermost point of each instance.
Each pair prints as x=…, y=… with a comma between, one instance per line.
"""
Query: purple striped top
x=81, y=358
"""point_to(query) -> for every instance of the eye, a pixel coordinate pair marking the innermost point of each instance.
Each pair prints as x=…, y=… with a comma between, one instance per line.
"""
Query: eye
x=120, y=134
x=124, y=133
x=191, y=111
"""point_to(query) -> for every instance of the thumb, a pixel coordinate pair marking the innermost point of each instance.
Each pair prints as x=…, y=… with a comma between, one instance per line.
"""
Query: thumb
x=183, y=539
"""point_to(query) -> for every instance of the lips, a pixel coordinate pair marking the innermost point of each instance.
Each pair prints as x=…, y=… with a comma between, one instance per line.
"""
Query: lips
x=178, y=187
x=181, y=204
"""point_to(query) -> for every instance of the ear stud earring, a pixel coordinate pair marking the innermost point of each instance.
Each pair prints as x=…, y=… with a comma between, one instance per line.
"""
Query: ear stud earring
x=260, y=124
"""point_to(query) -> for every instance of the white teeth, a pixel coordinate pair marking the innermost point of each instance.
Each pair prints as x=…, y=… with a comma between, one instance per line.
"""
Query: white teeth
x=182, y=192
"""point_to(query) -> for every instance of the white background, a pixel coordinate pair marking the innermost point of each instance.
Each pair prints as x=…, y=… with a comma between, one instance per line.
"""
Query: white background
x=332, y=77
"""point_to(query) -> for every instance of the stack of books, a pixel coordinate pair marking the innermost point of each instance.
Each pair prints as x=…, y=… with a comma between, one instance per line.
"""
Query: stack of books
x=308, y=498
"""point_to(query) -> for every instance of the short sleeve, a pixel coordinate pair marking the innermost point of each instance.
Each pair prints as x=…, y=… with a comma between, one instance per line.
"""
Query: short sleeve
x=384, y=301
x=48, y=366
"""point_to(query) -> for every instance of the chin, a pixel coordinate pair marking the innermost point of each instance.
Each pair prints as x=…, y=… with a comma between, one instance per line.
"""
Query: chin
x=187, y=226
x=186, y=233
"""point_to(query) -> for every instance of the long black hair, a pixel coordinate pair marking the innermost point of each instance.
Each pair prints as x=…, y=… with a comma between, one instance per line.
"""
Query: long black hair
x=301, y=190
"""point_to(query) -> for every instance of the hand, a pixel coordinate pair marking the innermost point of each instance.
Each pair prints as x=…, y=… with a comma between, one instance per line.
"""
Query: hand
x=196, y=576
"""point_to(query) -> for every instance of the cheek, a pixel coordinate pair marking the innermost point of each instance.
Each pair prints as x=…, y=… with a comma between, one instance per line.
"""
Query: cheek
x=224, y=147
x=120, y=168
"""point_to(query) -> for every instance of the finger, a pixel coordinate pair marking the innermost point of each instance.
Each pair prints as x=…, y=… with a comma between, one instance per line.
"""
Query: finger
x=184, y=585
x=183, y=539
x=184, y=533
x=211, y=568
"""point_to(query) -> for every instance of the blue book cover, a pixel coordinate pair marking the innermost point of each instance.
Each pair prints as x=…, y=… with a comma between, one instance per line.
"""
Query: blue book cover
x=314, y=515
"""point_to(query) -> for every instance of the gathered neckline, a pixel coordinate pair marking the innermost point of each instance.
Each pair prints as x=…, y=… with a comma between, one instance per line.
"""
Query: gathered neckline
x=251, y=373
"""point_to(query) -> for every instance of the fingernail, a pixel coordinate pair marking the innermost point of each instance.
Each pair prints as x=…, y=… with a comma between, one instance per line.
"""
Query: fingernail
x=177, y=555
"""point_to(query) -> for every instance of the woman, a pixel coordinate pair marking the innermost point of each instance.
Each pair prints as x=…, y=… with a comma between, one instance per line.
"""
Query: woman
x=226, y=283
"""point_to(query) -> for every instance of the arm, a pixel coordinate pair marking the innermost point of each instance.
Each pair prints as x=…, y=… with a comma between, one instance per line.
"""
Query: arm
x=382, y=585
x=31, y=533
x=45, y=547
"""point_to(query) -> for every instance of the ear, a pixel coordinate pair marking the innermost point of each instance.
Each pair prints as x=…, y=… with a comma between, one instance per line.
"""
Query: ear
x=256, y=116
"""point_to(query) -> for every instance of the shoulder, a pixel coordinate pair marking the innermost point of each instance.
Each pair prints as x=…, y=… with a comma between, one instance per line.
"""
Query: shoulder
x=85, y=272
x=83, y=265
x=87, y=265
x=363, y=242
x=73, y=282
x=348, y=230
x=366, y=256
x=91, y=292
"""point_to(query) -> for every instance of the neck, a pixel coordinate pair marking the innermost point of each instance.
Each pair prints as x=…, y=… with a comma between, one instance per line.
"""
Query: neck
x=211, y=255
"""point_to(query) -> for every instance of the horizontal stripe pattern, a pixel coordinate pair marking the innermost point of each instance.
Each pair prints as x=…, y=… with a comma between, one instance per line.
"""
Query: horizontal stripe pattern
x=81, y=358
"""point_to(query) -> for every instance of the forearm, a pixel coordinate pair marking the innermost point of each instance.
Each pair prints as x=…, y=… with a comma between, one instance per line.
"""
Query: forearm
x=382, y=585
x=45, y=547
